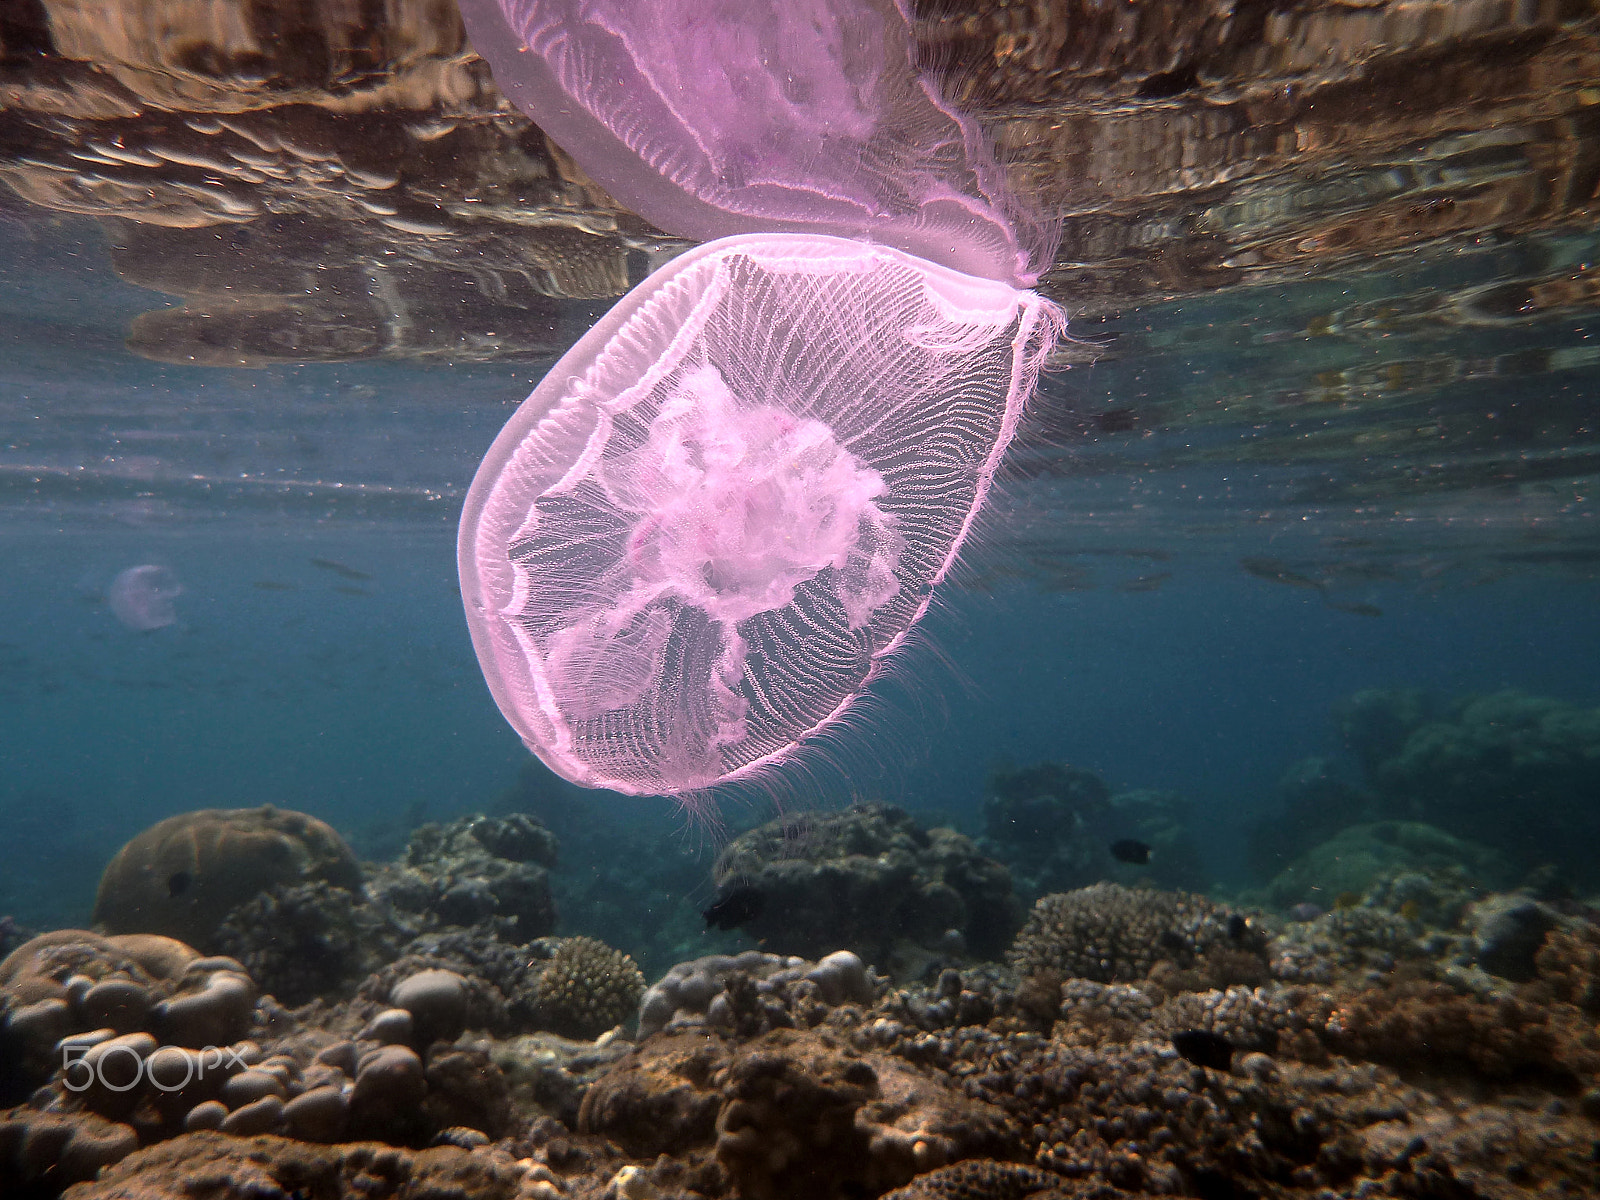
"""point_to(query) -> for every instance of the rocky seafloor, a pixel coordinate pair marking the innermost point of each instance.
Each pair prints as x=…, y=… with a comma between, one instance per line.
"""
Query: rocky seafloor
x=257, y=1014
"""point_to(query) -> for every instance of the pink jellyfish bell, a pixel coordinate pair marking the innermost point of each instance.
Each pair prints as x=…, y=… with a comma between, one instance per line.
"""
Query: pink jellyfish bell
x=696, y=542
x=700, y=538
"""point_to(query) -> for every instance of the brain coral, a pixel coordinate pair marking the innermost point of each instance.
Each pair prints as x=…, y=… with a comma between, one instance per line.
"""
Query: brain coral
x=181, y=876
x=587, y=988
x=1114, y=934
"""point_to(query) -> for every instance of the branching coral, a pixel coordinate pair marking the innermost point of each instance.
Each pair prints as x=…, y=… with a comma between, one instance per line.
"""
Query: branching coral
x=587, y=988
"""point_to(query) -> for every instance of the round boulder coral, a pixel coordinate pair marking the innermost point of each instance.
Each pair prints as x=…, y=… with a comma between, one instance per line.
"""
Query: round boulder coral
x=182, y=876
x=587, y=988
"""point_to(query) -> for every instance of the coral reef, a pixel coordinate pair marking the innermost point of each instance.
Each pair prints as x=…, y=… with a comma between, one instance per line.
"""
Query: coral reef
x=1361, y=857
x=1424, y=1041
x=752, y=990
x=1114, y=934
x=628, y=875
x=792, y=1113
x=1052, y=824
x=1315, y=801
x=1568, y=967
x=490, y=872
x=756, y=1075
x=870, y=880
x=1361, y=939
x=300, y=941
x=39, y=1150
x=1509, y=770
x=12, y=935
x=586, y=988
x=985, y=1179
x=183, y=875
x=265, y=1166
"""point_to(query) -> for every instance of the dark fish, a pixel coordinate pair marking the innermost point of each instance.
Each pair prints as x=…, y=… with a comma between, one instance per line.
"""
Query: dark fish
x=1204, y=1048
x=178, y=883
x=1130, y=850
x=272, y=585
x=738, y=907
x=1274, y=571
x=339, y=569
x=1360, y=610
x=1238, y=926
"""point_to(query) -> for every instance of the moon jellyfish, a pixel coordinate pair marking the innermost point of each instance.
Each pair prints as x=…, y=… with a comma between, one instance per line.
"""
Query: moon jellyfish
x=698, y=540
x=141, y=597
x=715, y=520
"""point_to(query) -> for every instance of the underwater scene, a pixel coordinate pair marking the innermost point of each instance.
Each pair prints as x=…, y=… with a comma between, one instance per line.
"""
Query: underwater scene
x=1037, y=635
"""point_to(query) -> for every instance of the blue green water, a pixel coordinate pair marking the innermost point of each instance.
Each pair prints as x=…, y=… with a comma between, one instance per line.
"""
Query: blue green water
x=320, y=660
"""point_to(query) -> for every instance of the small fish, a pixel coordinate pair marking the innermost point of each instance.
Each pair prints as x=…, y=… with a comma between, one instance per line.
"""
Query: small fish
x=1274, y=571
x=339, y=569
x=739, y=907
x=1130, y=850
x=1359, y=610
x=1238, y=926
x=178, y=883
x=1204, y=1048
x=272, y=585
x=345, y=589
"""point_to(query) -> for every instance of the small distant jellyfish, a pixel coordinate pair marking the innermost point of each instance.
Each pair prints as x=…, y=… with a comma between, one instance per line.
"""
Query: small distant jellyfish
x=141, y=597
x=717, y=518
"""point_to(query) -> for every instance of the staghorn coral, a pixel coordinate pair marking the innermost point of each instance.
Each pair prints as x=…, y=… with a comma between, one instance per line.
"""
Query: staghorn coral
x=1114, y=934
x=586, y=988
